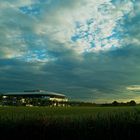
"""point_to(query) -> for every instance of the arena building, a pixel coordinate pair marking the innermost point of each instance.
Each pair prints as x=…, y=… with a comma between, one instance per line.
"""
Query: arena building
x=34, y=98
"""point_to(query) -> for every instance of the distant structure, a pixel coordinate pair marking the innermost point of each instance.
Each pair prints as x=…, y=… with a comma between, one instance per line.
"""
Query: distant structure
x=34, y=98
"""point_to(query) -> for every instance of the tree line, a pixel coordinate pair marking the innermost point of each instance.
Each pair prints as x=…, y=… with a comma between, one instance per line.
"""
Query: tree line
x=114, y=103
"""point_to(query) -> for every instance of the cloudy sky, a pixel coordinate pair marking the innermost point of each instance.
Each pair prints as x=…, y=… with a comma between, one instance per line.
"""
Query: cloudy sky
x=86, y=49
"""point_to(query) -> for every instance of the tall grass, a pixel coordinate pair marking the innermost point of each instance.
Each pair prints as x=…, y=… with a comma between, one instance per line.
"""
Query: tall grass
x=70, y=122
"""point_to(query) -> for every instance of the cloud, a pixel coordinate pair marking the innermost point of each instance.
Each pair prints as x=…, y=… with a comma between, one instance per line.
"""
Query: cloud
x=42, y=22
x=88, y=50
x=90, y=26
x=133, y=88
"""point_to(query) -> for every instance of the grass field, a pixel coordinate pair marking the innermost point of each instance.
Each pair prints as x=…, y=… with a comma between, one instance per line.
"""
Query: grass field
x=70, y=122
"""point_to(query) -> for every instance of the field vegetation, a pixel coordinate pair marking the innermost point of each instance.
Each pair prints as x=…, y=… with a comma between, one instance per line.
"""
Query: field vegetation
x=70, y=122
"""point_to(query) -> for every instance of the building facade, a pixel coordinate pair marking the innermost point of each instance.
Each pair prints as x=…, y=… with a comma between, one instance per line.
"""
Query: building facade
x=33, y=98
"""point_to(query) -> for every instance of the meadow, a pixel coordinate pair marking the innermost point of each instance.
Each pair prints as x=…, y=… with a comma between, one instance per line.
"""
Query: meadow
x=77, y=123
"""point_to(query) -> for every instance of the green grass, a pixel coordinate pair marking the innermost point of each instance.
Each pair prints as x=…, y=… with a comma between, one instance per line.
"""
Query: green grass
x=70, y=122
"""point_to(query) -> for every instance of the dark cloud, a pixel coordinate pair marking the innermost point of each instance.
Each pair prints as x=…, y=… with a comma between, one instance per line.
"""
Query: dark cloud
x=92, y=76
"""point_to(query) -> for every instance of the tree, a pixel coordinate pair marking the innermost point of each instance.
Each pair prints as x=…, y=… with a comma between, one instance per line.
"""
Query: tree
x=132, y=103
x=115, y=103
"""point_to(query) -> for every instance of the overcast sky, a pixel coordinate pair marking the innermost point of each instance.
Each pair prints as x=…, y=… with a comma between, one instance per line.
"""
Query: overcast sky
x=86, y=49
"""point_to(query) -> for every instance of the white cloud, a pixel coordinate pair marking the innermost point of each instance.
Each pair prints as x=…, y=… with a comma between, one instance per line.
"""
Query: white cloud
x=57, y=23
x=60, y=24
x=13, y=27
x=133, y=88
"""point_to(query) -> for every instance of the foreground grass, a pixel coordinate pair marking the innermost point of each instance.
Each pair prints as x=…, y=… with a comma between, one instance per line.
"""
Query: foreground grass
x=70, y=122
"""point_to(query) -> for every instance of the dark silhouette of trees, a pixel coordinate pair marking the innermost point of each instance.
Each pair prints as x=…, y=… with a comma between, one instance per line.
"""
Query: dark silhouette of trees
x=131, y=103
x=115, y=103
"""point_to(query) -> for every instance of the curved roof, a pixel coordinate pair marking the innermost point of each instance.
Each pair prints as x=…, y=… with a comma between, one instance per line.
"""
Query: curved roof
x=35, y=93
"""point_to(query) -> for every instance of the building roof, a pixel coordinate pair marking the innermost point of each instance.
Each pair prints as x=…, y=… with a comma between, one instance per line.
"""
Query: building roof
x=35, y=93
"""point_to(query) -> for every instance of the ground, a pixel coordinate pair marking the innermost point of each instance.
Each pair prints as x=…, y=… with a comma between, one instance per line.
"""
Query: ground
x=70, y=122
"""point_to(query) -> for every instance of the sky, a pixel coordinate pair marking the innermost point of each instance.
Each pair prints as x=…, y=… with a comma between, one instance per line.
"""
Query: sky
x=88, y=50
